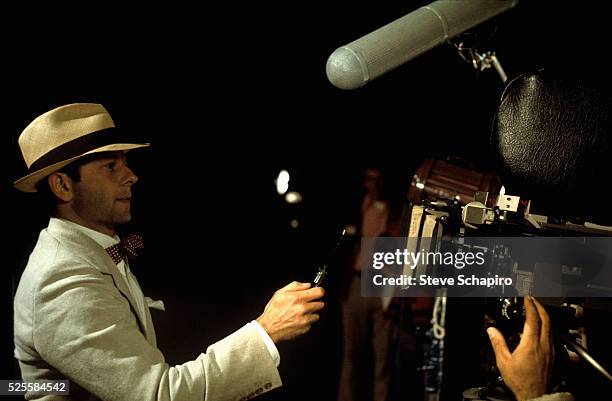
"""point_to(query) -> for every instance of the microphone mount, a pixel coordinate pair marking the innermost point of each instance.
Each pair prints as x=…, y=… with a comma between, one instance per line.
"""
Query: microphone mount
x=479, y=60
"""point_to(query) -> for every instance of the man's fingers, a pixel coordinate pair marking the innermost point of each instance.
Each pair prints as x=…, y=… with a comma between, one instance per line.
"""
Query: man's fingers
x=545, y=319
x=295, y=286
x=312, y=293
x=502, y=353
x=313, y=318
x=313, y=307
x=531, y=330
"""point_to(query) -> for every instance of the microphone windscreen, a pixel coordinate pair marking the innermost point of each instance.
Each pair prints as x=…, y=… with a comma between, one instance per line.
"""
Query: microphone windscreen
x=353, y=65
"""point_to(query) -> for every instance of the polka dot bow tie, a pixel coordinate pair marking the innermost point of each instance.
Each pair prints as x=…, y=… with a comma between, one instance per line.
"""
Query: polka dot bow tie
x=127, y=248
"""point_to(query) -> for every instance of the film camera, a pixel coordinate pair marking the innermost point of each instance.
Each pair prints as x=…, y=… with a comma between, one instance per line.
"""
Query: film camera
x=450, y=224
x=551, y=138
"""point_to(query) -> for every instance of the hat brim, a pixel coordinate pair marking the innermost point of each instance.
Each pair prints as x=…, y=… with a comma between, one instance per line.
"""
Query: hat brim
x=28, y=183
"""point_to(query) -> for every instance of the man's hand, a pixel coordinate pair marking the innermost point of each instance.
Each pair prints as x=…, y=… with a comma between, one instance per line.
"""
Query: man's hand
x=527, y=370
x=291, y=311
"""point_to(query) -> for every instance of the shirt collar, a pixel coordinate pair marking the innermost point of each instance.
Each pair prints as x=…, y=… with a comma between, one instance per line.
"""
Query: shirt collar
x=102, y=239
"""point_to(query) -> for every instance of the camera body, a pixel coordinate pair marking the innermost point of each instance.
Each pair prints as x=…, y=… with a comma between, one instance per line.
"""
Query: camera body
x=491, y=216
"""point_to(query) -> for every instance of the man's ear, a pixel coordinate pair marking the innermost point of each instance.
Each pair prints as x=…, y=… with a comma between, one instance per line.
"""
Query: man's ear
x=61, y=186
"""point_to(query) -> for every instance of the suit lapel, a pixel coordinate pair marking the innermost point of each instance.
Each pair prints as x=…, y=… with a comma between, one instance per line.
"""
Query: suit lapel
x=96, y=255
x=146, y=321
x=124, y=290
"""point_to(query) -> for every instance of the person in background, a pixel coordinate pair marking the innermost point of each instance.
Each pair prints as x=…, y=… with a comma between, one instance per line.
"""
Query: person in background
x=366, y=360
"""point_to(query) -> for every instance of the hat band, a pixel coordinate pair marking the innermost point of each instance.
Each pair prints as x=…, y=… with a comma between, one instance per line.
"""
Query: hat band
x=77, y=147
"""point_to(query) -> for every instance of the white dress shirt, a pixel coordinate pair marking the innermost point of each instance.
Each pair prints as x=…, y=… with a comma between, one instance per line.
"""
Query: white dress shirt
x=106, y=241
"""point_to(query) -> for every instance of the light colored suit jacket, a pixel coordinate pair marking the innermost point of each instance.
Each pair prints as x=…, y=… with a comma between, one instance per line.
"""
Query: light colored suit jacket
x=75, y=319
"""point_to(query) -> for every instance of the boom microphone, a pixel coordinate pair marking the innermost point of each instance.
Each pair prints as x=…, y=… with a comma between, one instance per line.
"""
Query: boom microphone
x=367, y=58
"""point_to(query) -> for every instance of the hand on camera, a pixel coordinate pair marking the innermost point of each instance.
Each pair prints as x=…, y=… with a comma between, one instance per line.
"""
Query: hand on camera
x=526, y=371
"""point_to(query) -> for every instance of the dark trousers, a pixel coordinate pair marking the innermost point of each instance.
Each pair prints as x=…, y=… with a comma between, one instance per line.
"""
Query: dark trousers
x=367, y=359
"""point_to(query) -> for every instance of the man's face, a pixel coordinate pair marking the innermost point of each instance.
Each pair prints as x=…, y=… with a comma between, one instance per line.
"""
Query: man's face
x=372, y=180
x=102, y=196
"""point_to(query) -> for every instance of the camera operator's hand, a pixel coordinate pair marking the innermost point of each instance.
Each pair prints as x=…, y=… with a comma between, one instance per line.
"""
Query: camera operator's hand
x=526, y=371
x=291, y=311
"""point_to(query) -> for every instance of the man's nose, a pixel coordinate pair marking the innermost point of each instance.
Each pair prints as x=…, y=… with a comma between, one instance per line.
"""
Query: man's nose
x=130, y=177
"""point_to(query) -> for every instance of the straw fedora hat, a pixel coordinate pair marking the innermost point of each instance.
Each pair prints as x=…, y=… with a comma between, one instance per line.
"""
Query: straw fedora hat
x=65, y=134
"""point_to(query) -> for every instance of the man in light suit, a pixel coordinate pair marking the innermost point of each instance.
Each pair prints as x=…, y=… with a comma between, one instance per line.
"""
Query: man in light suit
x=79, y=311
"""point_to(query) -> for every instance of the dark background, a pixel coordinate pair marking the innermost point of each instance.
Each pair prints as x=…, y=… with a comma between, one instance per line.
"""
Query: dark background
x=230, y=96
